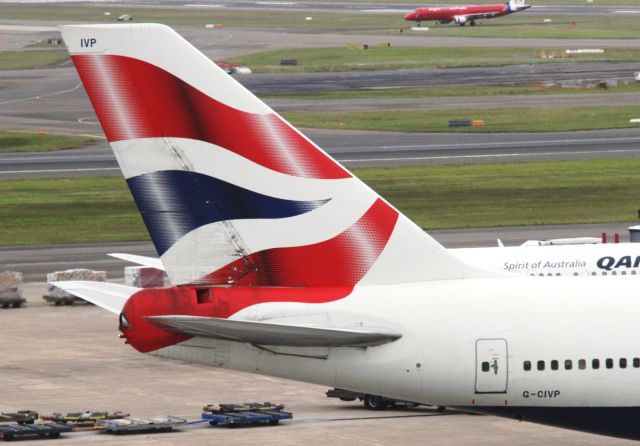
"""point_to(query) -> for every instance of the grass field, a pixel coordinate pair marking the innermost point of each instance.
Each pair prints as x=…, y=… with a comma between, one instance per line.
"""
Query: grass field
x=22, y=60
x=36, y=142
x=67, y=211
x=42, y=211
x=516, y=25
x=387, y=58
x=455, y=91
x=609, y=26
x=512, y=193
x=538, y=119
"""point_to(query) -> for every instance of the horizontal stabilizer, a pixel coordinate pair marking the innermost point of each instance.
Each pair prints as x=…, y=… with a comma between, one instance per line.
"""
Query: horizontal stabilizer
x=153, y=262
x=265, y=333
x=110, y=296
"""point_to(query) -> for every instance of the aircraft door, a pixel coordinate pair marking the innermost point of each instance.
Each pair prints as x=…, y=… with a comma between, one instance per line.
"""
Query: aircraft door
x=492, y=368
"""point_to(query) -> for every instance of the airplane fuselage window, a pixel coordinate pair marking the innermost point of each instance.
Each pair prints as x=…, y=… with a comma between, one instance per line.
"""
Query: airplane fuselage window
x=582, y=364
x=568, y=365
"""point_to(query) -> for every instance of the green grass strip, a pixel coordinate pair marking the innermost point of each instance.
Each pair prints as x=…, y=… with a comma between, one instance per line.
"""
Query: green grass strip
x=455, y=91
x=68, y=210
x=534, y=193
x=23, y=60
x=42, y=211
x=387, y=58
x=536, y=119
x=41, y=142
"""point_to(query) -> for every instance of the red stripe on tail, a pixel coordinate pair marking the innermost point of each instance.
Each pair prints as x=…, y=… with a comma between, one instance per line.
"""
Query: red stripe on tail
x=134, y=99
x=340, y=261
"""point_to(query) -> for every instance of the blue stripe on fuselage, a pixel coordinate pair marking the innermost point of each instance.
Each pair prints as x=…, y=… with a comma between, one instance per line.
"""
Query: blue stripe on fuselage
x=173, y=203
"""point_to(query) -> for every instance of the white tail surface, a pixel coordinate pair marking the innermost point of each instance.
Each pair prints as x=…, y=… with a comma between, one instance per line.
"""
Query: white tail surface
x=515, y=5
x=110, y=296
x=230, y=192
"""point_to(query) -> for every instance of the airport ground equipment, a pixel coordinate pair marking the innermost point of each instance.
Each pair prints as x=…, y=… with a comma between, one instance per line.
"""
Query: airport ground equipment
x=38, y=430
x=59, y=296
x=20, y=417
x=84, y=419
x=140, y=425
x=143, y=277
x=10, y=289
x=372, y=402
x=233, y=415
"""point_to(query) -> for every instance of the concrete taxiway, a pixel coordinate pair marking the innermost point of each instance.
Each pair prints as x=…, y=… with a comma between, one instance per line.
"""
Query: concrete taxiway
x=372, y=149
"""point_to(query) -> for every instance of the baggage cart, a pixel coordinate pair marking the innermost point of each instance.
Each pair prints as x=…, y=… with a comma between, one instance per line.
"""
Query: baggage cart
x=125, y=426
x=37, y=430
x=87, y=418
x=233, y=415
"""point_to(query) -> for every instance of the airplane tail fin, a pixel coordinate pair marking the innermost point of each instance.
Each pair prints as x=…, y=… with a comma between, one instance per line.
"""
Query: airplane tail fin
x=517, y=5
x=230, y=192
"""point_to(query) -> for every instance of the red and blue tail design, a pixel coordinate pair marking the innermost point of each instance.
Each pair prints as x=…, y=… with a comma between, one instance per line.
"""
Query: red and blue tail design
x=230, y=192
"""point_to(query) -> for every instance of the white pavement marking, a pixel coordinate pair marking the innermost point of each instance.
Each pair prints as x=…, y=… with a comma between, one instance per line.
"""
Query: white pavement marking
x=90, y=169
x=512, y=143
x=497, y=155
x=55, y=93
x=28, y=28
x=386, y=10
x=200, y=5
x=59, y=158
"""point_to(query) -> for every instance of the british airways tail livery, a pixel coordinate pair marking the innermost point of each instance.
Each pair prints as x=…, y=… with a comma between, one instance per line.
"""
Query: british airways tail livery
x=290, y=266
x=230, y=192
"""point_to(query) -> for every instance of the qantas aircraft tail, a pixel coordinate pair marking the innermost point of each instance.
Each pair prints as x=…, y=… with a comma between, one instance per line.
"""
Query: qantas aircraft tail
x=229, y=191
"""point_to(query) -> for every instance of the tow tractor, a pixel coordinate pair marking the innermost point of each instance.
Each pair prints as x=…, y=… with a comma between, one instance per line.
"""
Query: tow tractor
x=233, y=415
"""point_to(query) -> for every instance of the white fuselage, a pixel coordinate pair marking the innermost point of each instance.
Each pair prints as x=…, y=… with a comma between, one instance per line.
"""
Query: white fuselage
x=449, y=329
x=563, y=260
